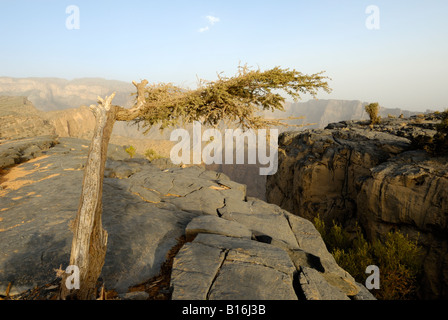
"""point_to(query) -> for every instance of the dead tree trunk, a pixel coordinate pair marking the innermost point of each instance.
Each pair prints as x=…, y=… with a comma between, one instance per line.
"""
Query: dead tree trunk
x=89, y=238
x=89, y=243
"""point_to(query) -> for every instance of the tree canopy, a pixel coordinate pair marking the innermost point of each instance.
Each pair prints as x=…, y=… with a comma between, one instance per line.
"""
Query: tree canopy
x=237, y=99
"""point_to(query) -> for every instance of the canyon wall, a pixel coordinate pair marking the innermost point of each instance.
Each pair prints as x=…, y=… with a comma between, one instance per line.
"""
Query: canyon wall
x=351, y=172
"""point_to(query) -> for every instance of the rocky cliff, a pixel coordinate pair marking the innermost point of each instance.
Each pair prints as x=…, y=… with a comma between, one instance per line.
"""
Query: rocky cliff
x=375, y=175
x=237, y=247
x=57, y=94
x=19, y=118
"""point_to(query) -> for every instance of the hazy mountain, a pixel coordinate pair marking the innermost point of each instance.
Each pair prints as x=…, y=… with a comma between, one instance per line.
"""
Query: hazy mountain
x=55, y=94
x=48, y=94
x=322, y=112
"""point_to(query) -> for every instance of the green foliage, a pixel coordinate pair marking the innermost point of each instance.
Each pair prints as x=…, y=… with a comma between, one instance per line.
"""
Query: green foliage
x=372, y=110
x=235, y=99
x=334, y=237
x=151, y=155
x=131, y=151
x=397, y=257
x=319, y=224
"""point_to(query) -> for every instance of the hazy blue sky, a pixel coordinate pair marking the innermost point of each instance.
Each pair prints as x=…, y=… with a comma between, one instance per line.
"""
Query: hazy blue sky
x=403, y=64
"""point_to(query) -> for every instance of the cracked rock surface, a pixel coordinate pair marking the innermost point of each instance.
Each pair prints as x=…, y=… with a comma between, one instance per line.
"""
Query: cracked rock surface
x=237, y=247
x=378, y=176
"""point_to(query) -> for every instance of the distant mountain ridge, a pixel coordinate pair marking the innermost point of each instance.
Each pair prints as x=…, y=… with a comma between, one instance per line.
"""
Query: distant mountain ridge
x=49, y=94
x=325, y=111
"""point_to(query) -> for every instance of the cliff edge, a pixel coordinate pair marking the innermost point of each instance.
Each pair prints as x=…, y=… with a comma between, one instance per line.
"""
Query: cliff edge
x=374, y=175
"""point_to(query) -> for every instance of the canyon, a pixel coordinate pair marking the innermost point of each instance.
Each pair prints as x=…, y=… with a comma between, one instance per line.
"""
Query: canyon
x=377, y=176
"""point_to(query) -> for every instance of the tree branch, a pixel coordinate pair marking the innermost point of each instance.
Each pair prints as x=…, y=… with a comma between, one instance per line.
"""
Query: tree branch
x=130, y=114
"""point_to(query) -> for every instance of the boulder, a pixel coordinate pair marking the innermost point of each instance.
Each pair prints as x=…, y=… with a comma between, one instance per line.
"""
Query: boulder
x=315, y=287
x=253, y=265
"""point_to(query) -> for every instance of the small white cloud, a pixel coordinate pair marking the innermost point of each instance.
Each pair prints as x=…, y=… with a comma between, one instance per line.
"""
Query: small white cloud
x=212, y=20
x=203, y=29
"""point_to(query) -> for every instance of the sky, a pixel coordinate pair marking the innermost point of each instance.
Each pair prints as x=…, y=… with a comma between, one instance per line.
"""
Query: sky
x=395, y=54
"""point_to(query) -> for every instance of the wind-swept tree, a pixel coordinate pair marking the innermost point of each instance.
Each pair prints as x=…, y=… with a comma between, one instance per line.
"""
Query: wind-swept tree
x=237, y=99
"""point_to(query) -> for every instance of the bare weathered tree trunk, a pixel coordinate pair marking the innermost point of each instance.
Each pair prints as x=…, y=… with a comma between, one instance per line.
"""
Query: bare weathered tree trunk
x=89, y=238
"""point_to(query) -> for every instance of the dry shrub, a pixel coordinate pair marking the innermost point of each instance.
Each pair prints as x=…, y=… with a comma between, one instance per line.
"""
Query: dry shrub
x=151, y=154
x=372, y=110
x=131, y=151
x=398, y=258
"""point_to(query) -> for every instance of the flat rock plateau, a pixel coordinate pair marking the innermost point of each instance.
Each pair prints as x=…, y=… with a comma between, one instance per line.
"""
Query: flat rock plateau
x=228, y=245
